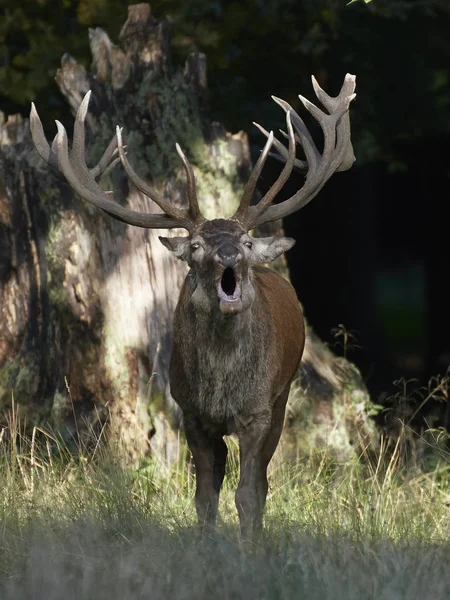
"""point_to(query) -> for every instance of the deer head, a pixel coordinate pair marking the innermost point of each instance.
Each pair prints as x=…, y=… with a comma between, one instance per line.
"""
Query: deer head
x=220, y=252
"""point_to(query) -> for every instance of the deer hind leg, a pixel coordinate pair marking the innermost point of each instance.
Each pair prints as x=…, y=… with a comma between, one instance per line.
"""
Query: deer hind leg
x=202, y=447
x=220, y=460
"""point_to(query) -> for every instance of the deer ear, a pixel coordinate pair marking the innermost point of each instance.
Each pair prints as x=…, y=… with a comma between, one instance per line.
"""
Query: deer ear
x=265, y=250
x=180, y=246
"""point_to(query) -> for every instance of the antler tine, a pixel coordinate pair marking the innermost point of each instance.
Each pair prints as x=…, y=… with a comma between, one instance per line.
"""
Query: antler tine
x=285, y=173
x=105, y=165
x=337, y=152
x=48, y=154
x=194, y=208
x=40, y=141
x=330, y=103
x=309, y=147
x=283, y=152
x=241, y=213
x=106, y=170
x=78, y=155
x=299, y=165
x=78, y=144
x=164, y=204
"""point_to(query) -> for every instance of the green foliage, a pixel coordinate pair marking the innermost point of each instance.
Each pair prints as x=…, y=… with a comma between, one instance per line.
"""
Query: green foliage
x=33, y=37
x=403, y=84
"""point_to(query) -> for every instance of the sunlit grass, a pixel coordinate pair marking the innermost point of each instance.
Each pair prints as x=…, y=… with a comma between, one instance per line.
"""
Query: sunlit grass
x=85, y=527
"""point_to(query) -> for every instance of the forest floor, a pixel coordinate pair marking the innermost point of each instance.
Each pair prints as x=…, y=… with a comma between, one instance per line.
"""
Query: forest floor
x=85, y=528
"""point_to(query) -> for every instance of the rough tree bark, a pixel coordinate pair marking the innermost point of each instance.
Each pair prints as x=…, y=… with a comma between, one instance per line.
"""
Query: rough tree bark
x=87, y=302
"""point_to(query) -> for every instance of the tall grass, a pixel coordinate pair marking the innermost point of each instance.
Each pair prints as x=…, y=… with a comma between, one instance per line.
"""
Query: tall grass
x=84, y=527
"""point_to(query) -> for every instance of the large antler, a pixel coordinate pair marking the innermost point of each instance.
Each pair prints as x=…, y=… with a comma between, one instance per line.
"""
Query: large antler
x=74, y=170
x=337, y=155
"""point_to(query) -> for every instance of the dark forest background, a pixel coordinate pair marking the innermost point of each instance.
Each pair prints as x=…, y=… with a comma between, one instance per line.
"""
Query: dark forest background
x=372, y=250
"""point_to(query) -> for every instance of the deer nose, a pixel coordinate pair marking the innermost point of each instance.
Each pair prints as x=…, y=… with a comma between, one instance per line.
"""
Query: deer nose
x=228, y=255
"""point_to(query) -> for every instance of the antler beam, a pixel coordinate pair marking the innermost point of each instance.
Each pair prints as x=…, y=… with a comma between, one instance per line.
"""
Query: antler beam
x=74, y=170
x=337, y=154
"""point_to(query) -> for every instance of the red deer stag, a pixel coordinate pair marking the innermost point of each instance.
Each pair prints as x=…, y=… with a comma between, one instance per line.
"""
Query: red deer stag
x=238, y=332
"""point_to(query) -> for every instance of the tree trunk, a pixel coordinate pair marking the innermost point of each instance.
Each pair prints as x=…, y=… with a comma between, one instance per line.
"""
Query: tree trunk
x=86, y=301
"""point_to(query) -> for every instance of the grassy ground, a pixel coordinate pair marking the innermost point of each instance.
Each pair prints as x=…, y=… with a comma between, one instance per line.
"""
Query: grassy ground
x=78, y=528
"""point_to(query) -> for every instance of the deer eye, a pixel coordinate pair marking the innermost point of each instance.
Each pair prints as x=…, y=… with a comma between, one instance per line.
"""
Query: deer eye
x=195, y=247
x=248, y=244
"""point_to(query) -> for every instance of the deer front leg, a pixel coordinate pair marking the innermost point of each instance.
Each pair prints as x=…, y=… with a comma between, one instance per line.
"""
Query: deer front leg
x=207, y=490
x=269, y=446
x=250, y=495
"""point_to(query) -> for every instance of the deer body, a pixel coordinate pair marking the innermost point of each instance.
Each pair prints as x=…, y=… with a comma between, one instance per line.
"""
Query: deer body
x=238, y=333
x=227, y=368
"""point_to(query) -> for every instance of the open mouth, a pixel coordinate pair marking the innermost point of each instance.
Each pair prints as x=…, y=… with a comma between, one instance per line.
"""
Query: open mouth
x=228, y=287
